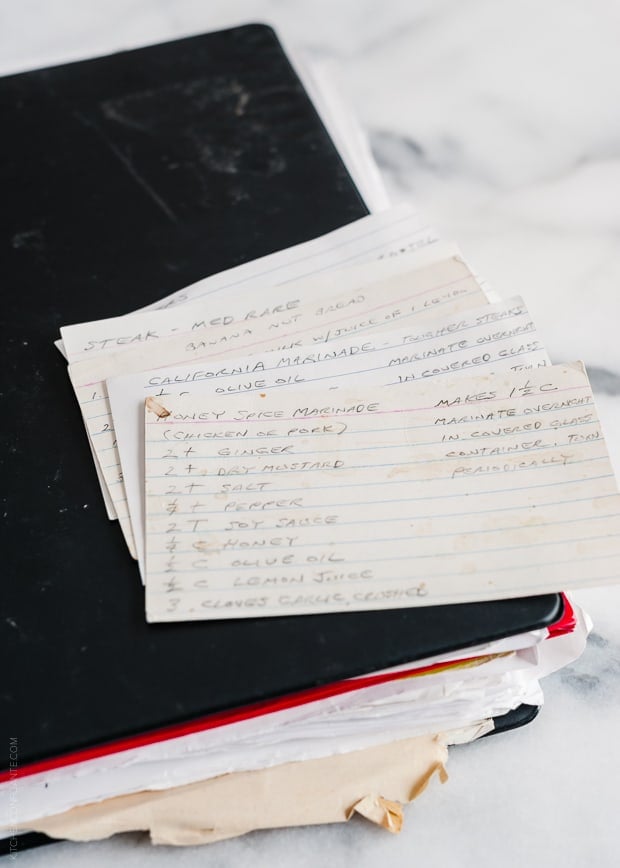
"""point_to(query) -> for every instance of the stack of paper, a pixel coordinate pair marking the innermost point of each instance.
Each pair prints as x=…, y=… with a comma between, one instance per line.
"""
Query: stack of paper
x=377, y=436
x=351, y=424
x=334, y=437
x=224, y=777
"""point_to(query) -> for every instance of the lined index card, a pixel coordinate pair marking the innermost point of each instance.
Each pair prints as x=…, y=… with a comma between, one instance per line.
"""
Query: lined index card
x=447, y=492
x=492, y=337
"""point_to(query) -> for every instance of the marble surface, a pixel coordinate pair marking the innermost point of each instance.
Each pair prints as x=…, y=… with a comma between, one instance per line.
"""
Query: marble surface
x=499, y=119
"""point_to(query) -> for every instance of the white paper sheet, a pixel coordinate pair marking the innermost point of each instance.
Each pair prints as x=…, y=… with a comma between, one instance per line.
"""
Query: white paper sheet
x=323, y=84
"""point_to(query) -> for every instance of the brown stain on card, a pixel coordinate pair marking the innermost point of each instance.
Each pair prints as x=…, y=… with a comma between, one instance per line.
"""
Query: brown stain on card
x=154, y=407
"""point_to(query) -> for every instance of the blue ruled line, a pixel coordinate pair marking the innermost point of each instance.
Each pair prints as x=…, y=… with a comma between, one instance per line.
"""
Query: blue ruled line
x=394, y=500
x=342, y=470
x=275, y=551
x=320, y=588
x=314, y=421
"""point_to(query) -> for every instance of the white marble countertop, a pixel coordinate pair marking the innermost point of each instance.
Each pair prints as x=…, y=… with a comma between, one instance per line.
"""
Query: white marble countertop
x=500, y=120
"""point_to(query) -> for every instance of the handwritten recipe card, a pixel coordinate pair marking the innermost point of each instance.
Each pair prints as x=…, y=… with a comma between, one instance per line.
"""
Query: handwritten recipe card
x=445, y=286
x=449, y=491
x=355, y=423
x=493, y=337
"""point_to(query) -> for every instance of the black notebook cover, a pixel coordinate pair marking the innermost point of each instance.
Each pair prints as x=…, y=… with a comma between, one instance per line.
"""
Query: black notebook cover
x=125, y=178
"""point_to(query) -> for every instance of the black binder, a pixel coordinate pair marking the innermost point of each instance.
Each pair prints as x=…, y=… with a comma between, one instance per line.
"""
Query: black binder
x=125, y=178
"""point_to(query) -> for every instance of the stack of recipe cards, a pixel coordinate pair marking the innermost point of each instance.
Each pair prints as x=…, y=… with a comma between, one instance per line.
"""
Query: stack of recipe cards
x=371, y=436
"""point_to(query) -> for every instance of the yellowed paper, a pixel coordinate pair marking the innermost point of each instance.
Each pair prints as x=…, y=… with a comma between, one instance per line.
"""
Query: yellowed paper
x=381, y=811
x=445, y=492
x=326, y=790
x=443, y=287
x=491, y=338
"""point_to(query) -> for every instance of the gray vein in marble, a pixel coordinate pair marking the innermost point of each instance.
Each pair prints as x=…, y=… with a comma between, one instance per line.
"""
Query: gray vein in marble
x=399, y=30
x=596, y=674
x=400, y=157
x=604, y=381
